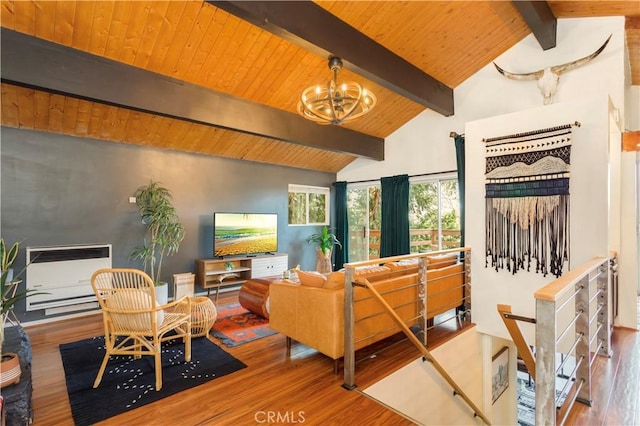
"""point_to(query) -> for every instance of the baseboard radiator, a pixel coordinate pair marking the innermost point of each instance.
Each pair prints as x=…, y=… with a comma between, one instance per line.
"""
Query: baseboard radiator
x=64, y=273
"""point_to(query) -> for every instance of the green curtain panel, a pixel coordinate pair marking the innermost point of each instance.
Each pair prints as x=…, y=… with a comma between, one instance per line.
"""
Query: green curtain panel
x=459, y=141
x=341, y=255
x=394, y=238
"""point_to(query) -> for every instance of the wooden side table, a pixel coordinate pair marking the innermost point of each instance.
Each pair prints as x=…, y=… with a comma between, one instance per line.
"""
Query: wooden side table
x=203, y=315
x=254, y=295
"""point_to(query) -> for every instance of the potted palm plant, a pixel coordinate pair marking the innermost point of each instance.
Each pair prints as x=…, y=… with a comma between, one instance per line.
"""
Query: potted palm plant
x=325, y=241
x=164, y=230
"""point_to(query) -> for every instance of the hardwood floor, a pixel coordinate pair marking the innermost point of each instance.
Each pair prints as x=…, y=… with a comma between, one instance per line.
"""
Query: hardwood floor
x=615, y=385
x=302, y=388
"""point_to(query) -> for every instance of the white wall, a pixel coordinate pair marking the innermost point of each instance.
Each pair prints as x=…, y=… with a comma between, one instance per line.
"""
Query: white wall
x=418, y=391
x=589, y=186
x=423, y=144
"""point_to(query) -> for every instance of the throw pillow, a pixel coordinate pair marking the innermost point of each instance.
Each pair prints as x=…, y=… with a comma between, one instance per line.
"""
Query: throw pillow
x=311, y=278
x=335, y=280
x=133, y=300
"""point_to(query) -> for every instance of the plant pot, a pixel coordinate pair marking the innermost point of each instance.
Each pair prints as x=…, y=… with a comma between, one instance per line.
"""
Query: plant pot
x=9, y=369
x=9, y=273
x=323, y=264
x=162, y=293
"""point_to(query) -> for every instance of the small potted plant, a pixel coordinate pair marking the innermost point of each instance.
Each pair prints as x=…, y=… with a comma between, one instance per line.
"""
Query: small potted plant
x=228, y=266
x=164, y=231
x=325, y=241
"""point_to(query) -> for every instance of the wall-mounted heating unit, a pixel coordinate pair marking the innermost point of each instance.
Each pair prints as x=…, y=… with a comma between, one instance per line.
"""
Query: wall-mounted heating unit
x=64, y=273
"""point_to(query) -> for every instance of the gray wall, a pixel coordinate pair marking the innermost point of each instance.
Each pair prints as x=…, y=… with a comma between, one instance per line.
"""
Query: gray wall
x=60, y=190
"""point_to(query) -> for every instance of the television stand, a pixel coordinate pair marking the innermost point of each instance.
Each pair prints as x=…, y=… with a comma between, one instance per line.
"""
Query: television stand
x=214, y=274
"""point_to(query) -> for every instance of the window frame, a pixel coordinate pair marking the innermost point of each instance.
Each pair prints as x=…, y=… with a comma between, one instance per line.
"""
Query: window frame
x=308, y=190
x=437, y=179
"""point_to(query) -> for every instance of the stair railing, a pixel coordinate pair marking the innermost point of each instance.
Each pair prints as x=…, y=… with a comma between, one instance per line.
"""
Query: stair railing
x=524, y=350
x=587, y=286
x=349, y=350
x=590, y=286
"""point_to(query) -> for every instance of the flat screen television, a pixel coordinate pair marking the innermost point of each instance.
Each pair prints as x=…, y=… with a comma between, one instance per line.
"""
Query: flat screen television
x=236, y=234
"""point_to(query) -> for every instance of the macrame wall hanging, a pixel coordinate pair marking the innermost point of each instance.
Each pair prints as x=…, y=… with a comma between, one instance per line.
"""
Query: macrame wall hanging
x=527, y=200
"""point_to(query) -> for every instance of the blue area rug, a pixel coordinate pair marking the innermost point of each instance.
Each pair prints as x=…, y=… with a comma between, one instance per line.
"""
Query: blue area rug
x=128, y=383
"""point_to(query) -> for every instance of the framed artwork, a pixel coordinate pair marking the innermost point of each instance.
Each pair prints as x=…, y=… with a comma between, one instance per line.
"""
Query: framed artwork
x=499, y=373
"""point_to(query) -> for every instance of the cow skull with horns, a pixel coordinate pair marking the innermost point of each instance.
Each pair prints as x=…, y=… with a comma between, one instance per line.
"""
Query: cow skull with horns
x=548, y=77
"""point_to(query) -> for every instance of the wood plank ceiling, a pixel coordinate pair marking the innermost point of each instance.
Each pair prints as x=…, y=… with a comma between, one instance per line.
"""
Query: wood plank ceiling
x=198, y=43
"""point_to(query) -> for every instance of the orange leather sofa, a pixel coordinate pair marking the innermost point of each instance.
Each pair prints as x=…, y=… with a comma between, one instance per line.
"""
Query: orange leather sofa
x=314, y=314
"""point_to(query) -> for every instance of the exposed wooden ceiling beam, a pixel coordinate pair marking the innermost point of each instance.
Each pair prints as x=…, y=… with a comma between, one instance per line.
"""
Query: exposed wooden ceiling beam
x=32, y=62
x=539, y=17
x=311, y=27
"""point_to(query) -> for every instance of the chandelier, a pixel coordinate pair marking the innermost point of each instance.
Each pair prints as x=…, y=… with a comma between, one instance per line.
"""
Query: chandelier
x=335, y=103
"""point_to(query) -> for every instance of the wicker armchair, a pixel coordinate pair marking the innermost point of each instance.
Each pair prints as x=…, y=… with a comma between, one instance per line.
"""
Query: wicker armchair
x=134, y=323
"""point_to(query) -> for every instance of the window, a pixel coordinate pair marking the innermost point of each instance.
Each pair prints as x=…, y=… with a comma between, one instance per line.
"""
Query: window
x=364, y=211
x=434, y=216
x=308, y=205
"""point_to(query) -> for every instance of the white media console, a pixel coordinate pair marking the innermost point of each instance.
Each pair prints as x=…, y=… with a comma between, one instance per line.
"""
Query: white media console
x=235, y=271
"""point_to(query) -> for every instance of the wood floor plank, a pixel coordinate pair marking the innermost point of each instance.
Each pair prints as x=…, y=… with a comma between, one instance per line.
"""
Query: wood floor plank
x=615, y=385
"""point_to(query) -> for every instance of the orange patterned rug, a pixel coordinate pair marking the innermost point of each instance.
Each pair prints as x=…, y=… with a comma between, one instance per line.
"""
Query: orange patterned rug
x=235, y=325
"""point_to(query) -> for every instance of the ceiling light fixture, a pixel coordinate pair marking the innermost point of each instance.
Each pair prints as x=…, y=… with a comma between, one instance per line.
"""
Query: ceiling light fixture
x=335, y=103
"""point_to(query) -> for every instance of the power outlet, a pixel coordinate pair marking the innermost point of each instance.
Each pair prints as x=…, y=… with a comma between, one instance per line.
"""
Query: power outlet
x=132, y=200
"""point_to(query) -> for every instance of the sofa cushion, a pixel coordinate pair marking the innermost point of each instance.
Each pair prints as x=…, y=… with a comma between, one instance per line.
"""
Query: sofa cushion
x=311, y=278
x=335, y=280
x=372, y=273
x=137, y=300
x=403, y=264
x=442, y=260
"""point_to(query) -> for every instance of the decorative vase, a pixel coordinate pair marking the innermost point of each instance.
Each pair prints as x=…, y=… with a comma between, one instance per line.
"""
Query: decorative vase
x=9, y=369
x=323, y=264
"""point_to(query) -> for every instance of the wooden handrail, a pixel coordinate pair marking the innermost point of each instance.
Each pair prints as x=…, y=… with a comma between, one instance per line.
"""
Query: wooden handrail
x=516, y=334
x=354, y=265
x=425, y=352
x=557, y=288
